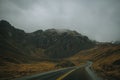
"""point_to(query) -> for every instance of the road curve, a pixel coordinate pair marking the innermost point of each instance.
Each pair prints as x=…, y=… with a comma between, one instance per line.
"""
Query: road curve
x=51, y=75
x=83, y=72
x=91, y=72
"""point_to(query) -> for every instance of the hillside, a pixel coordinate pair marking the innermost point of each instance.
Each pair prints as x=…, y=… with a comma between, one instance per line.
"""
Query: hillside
x=105, y=58
x=51, y=43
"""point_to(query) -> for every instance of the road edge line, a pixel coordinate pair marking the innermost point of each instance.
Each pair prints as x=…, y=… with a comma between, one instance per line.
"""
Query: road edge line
x=64, y=75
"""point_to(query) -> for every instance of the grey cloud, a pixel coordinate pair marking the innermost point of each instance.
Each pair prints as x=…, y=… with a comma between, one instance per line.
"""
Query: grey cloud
x=98, y=19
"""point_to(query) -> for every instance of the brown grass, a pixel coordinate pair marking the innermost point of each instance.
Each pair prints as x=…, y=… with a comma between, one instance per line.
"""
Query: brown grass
x=103, y=57
x=17, y=70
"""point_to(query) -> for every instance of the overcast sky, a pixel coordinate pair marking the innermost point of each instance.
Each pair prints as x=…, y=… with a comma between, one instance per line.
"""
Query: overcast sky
x=98, y=19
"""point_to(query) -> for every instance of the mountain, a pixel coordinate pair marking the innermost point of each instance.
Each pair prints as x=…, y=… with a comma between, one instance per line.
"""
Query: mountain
x=16, y=45
x=116, y=42
x=24, y=53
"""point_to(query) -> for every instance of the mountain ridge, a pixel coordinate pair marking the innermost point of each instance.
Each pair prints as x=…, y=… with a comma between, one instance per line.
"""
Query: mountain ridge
x=51, y=43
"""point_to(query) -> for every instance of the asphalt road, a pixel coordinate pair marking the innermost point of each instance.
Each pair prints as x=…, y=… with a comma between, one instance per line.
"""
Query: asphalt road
x=72, y=73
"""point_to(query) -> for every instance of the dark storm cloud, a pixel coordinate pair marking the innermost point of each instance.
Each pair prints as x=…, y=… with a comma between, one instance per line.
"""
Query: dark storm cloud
x=98, y=19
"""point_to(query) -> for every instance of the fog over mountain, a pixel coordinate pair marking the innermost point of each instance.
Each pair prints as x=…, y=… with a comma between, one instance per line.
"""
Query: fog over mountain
x=98, y=19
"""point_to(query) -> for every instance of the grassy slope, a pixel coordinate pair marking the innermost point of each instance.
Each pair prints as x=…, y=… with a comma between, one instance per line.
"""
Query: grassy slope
x=14, y=64
x=103, y=57
x=11, y=70
x=104, y=63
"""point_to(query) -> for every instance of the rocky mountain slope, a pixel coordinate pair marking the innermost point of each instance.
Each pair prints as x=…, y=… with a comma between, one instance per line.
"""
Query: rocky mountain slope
x=16, y=44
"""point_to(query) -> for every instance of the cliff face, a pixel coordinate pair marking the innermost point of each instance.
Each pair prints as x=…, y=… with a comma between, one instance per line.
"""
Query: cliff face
x=51, y=43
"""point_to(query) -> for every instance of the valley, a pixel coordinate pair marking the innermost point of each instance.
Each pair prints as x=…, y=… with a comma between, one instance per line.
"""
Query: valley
x=23, y=54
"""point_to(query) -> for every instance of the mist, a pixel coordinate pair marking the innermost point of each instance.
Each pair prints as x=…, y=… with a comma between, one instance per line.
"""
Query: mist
x=98, y=19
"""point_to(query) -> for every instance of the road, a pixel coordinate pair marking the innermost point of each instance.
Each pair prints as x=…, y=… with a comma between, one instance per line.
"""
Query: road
x=83, y=72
